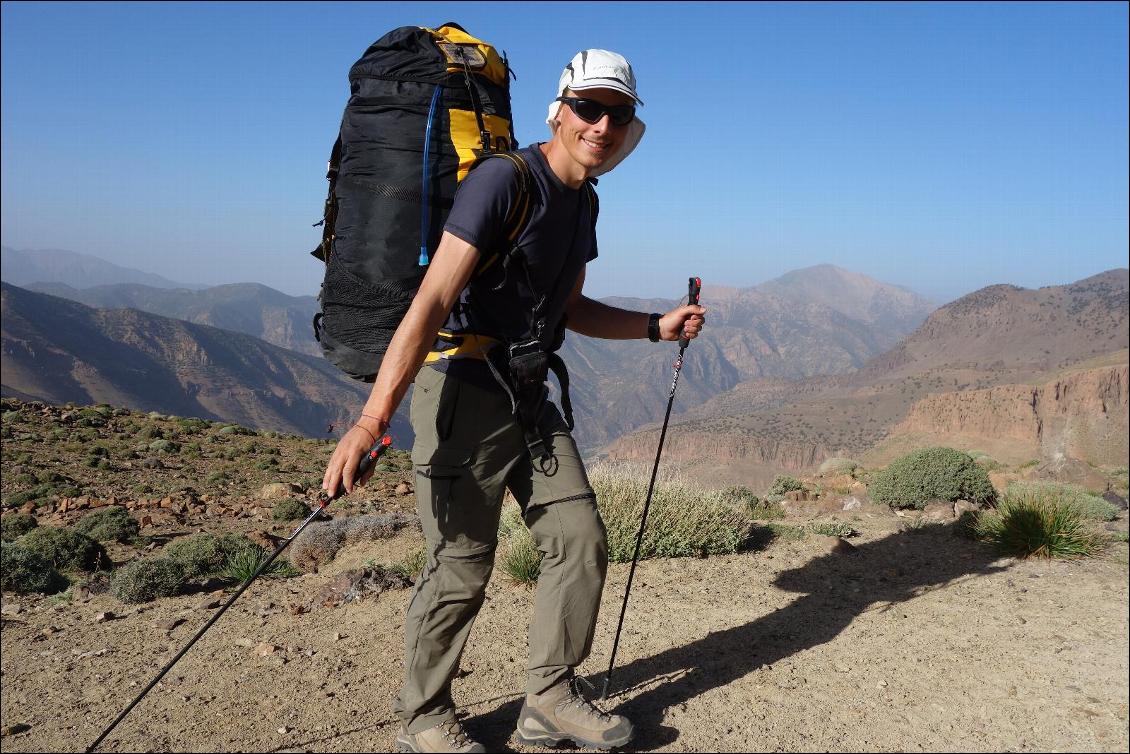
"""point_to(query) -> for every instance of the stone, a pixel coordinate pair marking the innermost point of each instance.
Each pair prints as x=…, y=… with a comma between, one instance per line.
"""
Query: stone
x=210, y=603
x=938, y=510
x=171, y=623
x=403, y=489
x=850, y=504
x=13, y=729
x=278, y=491
x=265, y=649
x=104, y=616
x=1115, y=499
x=961, y=507
x=12, y=608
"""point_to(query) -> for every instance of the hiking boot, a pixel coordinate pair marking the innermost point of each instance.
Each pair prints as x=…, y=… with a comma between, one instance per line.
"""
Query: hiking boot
x=563, y=714
x=447, y=736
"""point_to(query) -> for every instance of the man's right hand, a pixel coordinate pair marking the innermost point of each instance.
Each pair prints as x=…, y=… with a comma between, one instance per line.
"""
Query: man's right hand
x=347, y=455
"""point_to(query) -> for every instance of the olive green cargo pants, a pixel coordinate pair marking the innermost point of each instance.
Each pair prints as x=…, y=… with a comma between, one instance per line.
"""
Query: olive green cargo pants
x=468, y=451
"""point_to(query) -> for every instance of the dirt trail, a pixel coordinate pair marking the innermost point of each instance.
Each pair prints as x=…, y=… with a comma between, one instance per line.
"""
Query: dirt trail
x=912, y=641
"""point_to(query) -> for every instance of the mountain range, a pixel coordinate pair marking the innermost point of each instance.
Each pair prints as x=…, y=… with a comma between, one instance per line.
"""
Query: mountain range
x=1029, y=346
x=24, y=266
x=60, y=351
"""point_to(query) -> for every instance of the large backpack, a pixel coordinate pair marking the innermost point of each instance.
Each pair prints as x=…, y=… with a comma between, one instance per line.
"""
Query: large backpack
x=424, y=106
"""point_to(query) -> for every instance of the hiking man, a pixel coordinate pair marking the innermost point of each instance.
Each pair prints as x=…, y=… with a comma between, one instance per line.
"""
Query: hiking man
x=483, y=423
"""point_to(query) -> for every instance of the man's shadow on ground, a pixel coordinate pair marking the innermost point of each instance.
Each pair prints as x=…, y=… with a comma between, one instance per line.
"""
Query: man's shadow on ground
x=836, y=588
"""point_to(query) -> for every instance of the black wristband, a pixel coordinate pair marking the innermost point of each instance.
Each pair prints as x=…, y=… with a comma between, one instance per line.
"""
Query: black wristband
x=653, y=327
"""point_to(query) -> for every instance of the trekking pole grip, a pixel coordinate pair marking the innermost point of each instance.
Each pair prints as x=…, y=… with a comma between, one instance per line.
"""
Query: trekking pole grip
x=694, y=288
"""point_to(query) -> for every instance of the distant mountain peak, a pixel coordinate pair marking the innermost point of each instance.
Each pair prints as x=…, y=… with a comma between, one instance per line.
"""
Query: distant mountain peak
x=26, y=266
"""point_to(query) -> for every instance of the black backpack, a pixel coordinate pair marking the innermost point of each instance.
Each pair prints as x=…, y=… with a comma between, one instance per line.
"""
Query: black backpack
x=425, y=105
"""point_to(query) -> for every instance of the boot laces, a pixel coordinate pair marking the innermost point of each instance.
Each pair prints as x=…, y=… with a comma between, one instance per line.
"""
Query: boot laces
x=578, y=700
x=455, y=734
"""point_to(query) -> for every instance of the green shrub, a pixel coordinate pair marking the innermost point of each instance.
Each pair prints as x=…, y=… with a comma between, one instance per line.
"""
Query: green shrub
x=932, y=474
x=151, y=432
x=682, y=521
x=146, y=580
x=833, y=529
x=783, y=484
x=65, y=549
x=1034, y=521
x=16, y=525
x=521, y=559
x=198, y=555
x=109, y=524
x=289, y=510
x=786, y=532
x=26, y=572
x=164, y=446
x=1089, y=506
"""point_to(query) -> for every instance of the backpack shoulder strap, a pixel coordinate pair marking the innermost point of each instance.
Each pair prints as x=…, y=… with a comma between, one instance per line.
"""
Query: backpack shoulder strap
x=519, y=214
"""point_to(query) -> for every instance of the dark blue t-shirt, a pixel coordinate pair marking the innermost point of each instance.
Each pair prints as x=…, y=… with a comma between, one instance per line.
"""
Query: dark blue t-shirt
x=558, y=240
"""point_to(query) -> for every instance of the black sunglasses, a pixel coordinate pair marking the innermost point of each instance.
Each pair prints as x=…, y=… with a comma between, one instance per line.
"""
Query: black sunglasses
x=591, y=111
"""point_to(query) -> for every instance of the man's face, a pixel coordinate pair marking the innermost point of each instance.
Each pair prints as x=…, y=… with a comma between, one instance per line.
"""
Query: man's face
x=591, y=144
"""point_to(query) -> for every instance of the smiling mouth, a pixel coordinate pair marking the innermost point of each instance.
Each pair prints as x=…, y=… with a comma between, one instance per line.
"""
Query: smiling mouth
x=598, y=146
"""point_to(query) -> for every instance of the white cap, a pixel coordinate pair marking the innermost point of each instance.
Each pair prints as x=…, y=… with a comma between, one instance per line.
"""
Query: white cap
x=601, y=69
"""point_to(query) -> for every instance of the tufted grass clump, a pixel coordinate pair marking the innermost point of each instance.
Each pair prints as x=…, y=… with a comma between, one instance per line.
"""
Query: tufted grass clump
x=411, y=566
x=243, y=563
x=837, y=466
x=146, y=580
x=27, y=572
x=109, y=524
x=932, y=474
x=15, y=525
x=65, y=549
x=1036, y=521
x=1091, y=507
x=289, y=510
x=519, y=557
x=682, y=522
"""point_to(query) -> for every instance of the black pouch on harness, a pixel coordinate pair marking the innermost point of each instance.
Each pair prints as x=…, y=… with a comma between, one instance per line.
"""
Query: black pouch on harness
x=522, y=369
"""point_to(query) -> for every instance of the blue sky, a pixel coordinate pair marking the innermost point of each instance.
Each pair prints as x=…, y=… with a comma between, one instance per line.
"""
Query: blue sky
x=943, y=147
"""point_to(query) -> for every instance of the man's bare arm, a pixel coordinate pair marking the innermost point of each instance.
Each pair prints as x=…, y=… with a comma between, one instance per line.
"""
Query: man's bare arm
x=590, y=317
x=451, y=267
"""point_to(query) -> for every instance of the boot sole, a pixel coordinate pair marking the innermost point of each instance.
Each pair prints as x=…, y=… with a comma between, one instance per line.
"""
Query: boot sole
x=556, y=741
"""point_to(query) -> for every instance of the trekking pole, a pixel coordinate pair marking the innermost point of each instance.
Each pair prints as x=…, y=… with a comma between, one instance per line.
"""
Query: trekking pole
x=694, y=287
x=367, y=460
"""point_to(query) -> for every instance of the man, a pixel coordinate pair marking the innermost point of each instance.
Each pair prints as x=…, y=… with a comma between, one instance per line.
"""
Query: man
x=480, y=431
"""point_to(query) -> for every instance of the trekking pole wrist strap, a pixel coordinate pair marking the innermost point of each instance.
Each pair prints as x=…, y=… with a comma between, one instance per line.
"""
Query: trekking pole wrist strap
x=653, y=327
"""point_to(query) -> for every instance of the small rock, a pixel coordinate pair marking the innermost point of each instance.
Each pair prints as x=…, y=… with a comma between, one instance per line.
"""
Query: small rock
x=851, y=504
x=11, y=730
x=882, y=684
x=265, y=649
x=12, y=608
x=104, y=616
x=284, y=730
x=403, y=489
x=338, y=637
x=278, y=490
x=247, y=643
x=209, y=604
x=171, y=623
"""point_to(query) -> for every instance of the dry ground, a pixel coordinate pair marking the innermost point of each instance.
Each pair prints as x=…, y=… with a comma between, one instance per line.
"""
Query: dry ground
x=916, y=640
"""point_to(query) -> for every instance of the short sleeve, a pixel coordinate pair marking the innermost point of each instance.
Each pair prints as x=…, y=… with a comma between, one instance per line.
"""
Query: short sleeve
x=482, y=203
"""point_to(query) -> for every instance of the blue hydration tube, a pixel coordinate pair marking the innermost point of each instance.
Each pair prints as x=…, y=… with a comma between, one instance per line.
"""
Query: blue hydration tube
x=425, y=199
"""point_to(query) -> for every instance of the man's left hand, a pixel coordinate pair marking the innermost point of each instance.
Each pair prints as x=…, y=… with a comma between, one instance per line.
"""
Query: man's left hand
x=686, y=321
